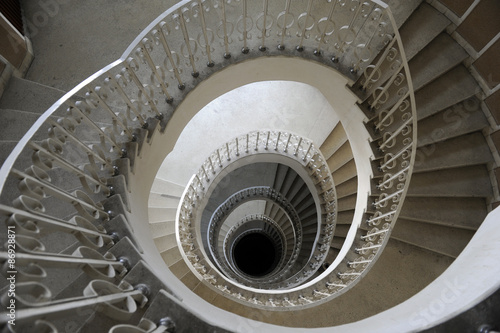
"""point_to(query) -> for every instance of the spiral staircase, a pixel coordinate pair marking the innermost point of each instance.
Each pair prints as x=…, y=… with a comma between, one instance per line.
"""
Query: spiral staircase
x=137, y=201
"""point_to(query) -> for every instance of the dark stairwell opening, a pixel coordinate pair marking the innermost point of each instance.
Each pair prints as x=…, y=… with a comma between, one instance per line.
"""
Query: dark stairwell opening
x=255, y=254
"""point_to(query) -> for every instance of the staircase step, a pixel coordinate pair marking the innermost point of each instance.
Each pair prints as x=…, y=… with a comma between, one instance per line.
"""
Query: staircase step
x=337, y=242
x=347, y=203
x=347, y=188
x=162, y=200
x=462, y=118
x=162, y=228
x=171, y=255
x=29, y=96
x=401, y=13
x=166, y=187
x=421, y=28
x=179, y=268
x=165, y=242
x=346, y=172
x=467, y=213
x=190, y=280
x=449, y=89
x=470, y=181
x=341, y=157
x=442, y=54
x=470, y=149
x=161, y=214
x=288, y=182
x=342, y=230
x=444, y=240
x=345, y=217
x=205, y=292
x=281, y=172
x=334, y=141
x=332, y=254
x=14, y=124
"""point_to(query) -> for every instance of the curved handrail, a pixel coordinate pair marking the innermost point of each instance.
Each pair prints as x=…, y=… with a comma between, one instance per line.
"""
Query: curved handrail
x=168, y=59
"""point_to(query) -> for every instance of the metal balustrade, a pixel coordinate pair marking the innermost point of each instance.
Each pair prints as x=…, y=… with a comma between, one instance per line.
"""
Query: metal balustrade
x=65, y=198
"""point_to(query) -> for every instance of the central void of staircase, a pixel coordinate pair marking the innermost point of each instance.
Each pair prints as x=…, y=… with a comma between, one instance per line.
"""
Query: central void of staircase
x=100, y=182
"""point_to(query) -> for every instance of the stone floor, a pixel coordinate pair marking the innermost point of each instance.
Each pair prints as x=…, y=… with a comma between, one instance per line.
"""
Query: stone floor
x=72, y=39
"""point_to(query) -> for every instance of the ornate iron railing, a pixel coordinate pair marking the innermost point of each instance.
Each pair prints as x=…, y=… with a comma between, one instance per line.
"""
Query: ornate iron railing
x=65, y=199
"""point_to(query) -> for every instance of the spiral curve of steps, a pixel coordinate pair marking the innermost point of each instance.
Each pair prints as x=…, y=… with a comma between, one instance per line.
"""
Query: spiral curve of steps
x=141, y=265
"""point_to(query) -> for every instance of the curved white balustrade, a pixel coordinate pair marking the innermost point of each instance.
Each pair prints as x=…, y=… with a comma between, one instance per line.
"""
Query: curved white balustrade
x=101, y=142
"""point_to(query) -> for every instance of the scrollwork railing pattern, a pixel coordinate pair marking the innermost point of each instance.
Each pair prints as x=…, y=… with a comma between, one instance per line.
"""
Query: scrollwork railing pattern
x=73, y=181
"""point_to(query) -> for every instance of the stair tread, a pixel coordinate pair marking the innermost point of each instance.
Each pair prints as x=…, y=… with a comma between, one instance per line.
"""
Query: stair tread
x=334, y=141
x=439, y=56
x=166, y=187
x=344, y=173
x=347, y=188
x=205, y=292
x=164, y=243
x=341, y=157
x=421, y=27
x=470, y=181
x=441, y=239
x=162, y=200
x=466, y=213
x=345, y=217
x=171, y=255
x=30, y=96
x=162, y=229
x=179, y=268
x=462, y=118
x=347, y=203
x=190, y=280
x=449, y=89
x=337, y=242
x=469, y=149
x=342, y=230
x=161, y=214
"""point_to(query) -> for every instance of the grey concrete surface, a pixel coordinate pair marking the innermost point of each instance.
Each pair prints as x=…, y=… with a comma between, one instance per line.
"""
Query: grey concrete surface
x=72, y=39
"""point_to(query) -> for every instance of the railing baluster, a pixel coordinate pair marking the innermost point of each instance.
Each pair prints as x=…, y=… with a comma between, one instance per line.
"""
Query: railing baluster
x=64, y=261
x=113, y=83
x=227, y=55
x=380, y=217
x=307, y=152
x=391, y=112
x=387, y=198
x=147, y=55
x=281, y=46
x=67, y=134
x=300, y=47
x=396, y=175
x=386, y=87
x=56, y=224
x=379, y=63
x=129, y=68
x=168, y=52
x=72, y=305
x=245, y=48
x=185, y=33
x=396, y=133
x=74, y=107
x=48, y=189
x=394, y=157
x=277, y=141
x=210, y=62
x=323, y=34
x=70, y=167
x=114, y=117
x=262, y=47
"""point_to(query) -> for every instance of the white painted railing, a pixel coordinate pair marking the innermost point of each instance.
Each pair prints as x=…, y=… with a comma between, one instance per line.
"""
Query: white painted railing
x=72, y=188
